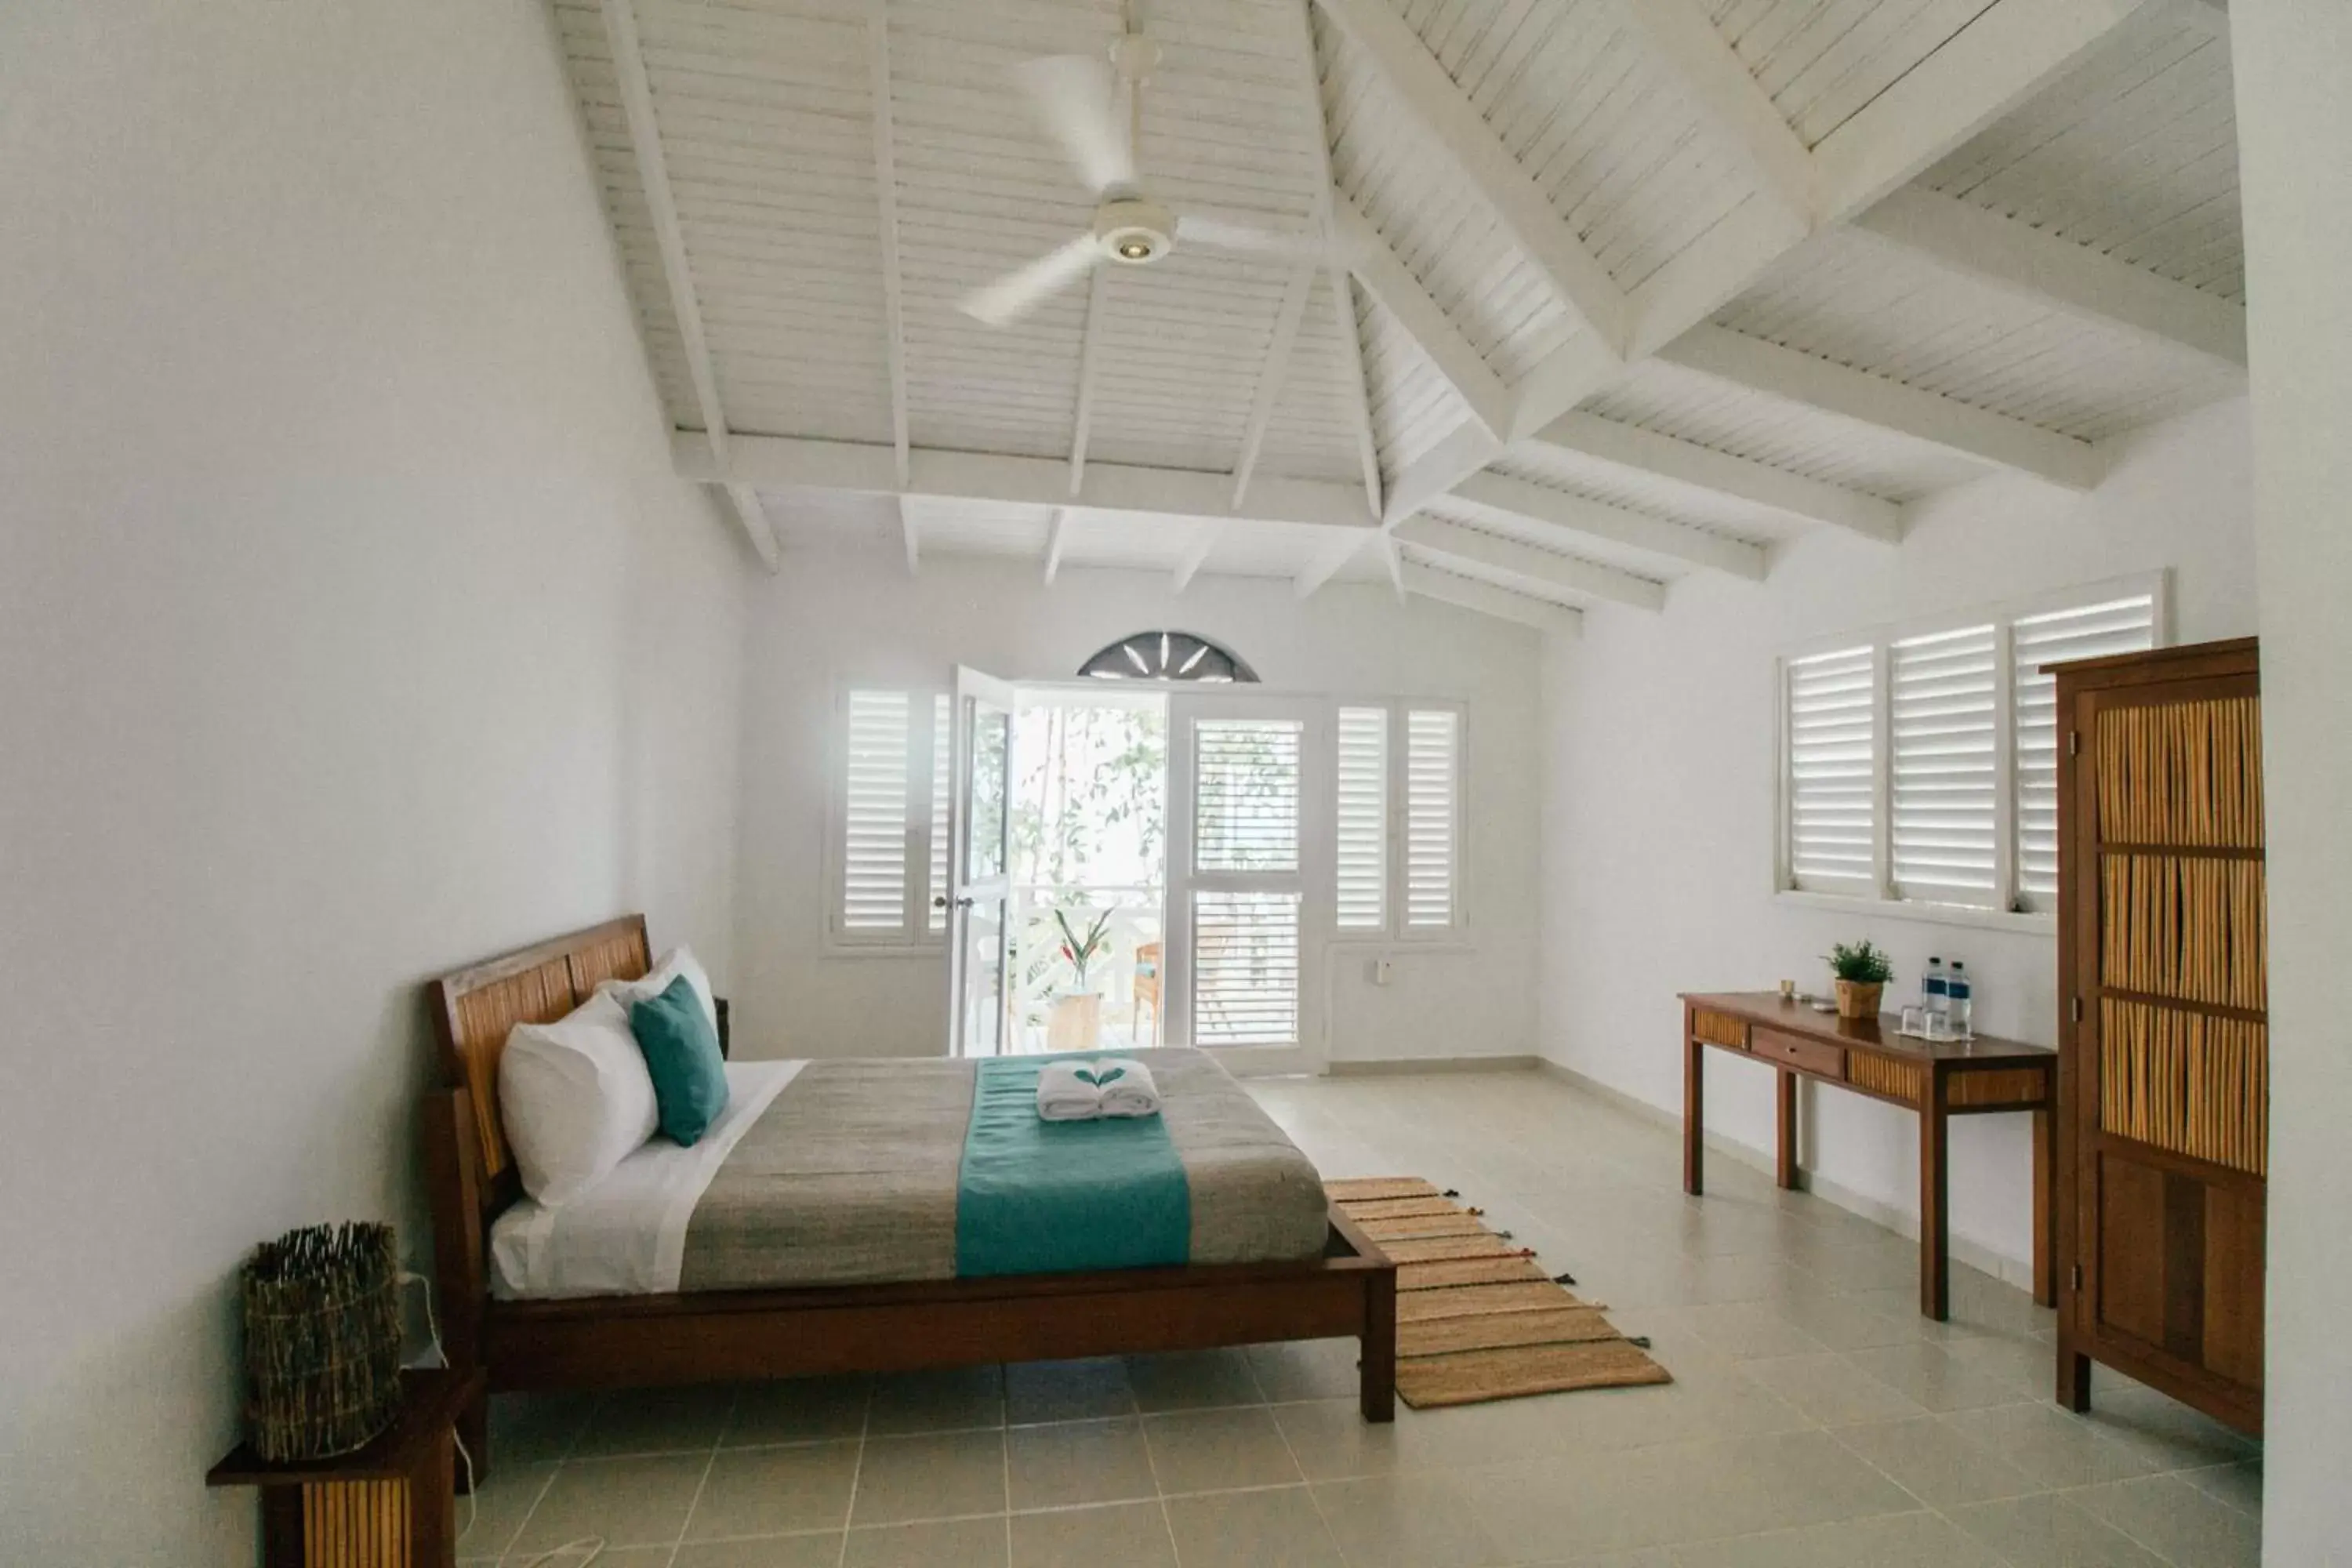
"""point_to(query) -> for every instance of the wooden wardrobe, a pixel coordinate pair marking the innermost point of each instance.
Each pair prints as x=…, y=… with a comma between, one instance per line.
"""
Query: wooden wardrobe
x=2164, y=1066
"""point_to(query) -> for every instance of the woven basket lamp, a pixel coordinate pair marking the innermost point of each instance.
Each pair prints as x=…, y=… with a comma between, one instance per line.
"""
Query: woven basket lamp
x=322, y=1341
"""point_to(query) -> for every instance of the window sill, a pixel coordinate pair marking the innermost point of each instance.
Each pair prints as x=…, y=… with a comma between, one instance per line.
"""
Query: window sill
x=2019, y=922
x=837, y=949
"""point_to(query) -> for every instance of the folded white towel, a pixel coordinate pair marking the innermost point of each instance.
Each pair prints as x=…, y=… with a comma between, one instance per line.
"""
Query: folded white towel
x=1064, y=1096
x=1126, y=1087
x=1084, y=1089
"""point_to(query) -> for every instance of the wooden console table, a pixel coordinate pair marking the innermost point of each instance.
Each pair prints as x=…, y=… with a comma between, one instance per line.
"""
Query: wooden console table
x=1935, y=1079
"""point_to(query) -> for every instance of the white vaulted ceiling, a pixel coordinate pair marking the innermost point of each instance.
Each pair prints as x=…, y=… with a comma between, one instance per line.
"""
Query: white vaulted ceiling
x=1610, y=291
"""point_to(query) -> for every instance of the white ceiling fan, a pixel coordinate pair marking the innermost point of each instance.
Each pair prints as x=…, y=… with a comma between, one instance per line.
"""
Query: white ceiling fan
x=1078, y=98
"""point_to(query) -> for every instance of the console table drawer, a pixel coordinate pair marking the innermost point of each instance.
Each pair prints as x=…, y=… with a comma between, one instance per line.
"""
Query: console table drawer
x=1805, y=1056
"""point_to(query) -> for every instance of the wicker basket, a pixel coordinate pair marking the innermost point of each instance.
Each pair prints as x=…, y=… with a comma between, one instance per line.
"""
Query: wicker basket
x=1859, y=998
x=322, y=1334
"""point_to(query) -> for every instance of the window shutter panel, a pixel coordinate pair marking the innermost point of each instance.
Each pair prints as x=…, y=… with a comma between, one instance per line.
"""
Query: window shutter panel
x=1431, y=817
x=1363, y=818
x=1245, y=968
x=2084, y=631
x=943, y=767
x=874, y=816
x=1245, y=775
x=1831, y=787
x=1943, y=705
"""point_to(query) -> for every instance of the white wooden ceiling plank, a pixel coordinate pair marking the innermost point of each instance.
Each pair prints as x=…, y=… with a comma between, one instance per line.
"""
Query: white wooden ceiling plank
x=1939, y=421
x=1559, y=508
x=1486, y=599
x=1688, y=462
x=1430, y=95
x=1452, y=544
x=1376, y=266
x=1728, y=95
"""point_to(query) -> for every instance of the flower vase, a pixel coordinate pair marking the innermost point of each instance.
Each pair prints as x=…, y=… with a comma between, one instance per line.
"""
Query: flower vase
x=1075, y=1023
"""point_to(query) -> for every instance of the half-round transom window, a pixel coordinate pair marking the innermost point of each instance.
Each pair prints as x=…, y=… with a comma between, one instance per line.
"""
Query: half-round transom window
x=1166, y=655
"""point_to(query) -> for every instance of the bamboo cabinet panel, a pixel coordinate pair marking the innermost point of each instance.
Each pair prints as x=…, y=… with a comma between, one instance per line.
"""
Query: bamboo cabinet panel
x=2164, y=1072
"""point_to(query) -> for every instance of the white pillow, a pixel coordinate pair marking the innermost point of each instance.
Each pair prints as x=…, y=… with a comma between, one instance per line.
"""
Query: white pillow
x=576, y=1099
x=677, y=961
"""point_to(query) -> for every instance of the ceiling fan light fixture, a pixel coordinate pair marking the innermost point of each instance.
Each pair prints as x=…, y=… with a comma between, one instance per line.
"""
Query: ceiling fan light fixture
x=1135, y=232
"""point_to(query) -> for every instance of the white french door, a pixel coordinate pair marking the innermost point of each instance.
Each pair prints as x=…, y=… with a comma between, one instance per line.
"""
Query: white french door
x=1248, y=894
x=979, y=890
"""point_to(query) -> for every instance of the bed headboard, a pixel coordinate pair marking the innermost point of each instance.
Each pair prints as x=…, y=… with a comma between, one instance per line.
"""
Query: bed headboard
x=474, y=1007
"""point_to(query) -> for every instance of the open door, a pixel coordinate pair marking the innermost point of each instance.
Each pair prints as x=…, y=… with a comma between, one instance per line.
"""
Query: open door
x=1244, y=918
x=980, y=865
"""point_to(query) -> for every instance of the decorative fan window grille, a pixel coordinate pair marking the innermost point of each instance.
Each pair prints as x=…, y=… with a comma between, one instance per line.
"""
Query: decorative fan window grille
x=1168, y=655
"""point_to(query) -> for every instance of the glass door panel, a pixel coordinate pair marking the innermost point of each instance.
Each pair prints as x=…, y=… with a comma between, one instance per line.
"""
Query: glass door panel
x=980, y=884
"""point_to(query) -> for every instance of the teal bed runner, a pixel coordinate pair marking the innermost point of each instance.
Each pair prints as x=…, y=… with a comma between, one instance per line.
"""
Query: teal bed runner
x=1050, y=1197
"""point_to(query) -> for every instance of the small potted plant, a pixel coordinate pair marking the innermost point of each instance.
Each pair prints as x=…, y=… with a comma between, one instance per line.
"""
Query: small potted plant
x=1863, y=970
x=1076, y=1021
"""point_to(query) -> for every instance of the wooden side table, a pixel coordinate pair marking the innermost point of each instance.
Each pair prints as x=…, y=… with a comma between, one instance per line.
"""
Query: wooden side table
x=388, y=1505
x=1934, y=1080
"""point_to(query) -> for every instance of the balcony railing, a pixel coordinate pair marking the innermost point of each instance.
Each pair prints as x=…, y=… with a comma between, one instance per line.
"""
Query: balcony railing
x=1050, y=1010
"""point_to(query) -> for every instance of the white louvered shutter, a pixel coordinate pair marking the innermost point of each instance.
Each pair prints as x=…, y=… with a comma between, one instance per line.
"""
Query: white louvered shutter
x=2122, y=624
x=942, y=783
x=1832, y=785
x=1362, y=819
x=1245, y=963
x=1433, y=826
x=1246, y=794
x=1246, y=849
x=1943, y=704
x=873, y=862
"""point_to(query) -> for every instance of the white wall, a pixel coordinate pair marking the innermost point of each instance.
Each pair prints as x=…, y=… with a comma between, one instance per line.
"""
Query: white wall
x=351, y=629
x=835, y=617
x=1659, y=810
x=2295, y=124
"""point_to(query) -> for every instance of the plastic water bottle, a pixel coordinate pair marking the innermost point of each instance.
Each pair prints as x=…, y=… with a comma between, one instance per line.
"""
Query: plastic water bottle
x=1956, y=998
x=1935, y=988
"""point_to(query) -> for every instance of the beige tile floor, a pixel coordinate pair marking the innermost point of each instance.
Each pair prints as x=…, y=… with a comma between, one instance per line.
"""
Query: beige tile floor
x=1816, y=1420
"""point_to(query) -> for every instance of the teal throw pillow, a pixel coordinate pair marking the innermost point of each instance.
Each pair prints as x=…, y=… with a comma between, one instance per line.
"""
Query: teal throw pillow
x=682, y=1056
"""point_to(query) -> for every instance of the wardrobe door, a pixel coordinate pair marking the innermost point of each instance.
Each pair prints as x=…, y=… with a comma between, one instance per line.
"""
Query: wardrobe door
x=2170, y=1081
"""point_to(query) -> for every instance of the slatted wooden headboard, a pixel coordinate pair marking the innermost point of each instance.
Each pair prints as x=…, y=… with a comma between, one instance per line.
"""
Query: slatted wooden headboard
x=474, y=1007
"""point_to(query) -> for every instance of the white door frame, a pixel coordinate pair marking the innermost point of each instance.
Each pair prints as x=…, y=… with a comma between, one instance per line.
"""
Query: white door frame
x=966, y=892
x=1311, y=882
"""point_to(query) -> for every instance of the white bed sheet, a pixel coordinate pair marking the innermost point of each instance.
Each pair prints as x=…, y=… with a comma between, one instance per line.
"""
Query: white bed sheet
x=626, y=1235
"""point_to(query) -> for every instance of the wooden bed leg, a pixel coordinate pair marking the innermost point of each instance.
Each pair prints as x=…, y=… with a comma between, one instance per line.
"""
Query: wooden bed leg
x=474, y=1432
x=1377, y=1368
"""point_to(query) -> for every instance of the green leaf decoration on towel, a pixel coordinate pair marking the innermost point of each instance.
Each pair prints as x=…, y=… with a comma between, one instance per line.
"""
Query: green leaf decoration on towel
x=1099, y=1080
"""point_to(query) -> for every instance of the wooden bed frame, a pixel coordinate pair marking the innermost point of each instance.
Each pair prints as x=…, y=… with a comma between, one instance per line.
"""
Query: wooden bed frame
x=631, y=1342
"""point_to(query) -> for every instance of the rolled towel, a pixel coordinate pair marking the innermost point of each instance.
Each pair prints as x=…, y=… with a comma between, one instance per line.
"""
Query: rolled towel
x=1126, y=1087
x=1064, y=1096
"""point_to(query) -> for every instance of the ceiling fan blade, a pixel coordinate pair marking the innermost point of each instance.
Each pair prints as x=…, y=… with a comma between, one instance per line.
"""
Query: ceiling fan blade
x=1245, y=238
x=1022, y=291
x=1077, y=98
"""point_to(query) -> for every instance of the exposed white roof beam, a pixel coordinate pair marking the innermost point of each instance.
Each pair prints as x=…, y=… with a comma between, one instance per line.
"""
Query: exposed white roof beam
x=1734, y=104
x=778, y=461
x=1598, y=520
x=1448, y=541
x=910, y=535
x=1197, y=555
x=1271, y=372
x=752, y=514
x=2057, y=273
x=1357, y=392
x=2008, y=53
x=1098, y=313
x=1741, y=478
x=1453, y=122
x=1325, y=564
x=885, y=184
x=1944, y=422
x=1468, y=594
x=661, y=205
x=1056, y=537
x=1392, y=282
x=1393, y=559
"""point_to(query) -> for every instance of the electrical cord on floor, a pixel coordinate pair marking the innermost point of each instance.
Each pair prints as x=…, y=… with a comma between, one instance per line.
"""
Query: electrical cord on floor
x=594, y=1545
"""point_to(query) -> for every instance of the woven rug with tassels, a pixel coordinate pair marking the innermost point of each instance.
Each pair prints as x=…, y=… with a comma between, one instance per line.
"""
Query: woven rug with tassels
x=1477, y=1318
